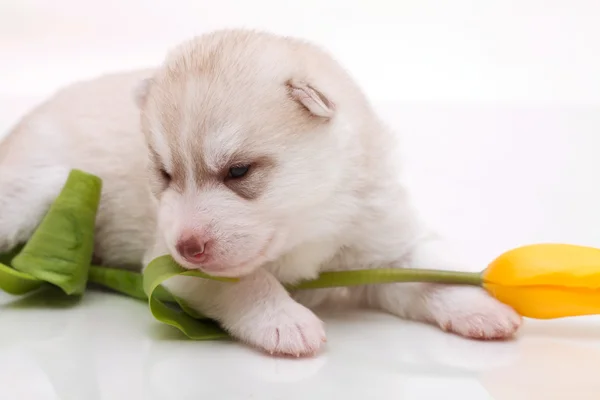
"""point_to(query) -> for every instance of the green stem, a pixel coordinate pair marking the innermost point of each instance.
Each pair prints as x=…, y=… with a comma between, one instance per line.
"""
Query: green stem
x=130, y=283
x=390, y=275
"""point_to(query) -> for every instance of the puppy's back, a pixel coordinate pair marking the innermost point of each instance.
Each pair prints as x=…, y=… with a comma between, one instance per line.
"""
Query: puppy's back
x=93, y=126
x=85, y=117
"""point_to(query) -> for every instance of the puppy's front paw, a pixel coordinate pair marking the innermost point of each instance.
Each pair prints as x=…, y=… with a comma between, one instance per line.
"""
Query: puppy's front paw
x=283, y=329
x=472, y=313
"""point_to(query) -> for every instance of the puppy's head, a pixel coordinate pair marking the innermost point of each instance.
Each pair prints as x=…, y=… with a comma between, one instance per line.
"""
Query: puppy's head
x=247, y=148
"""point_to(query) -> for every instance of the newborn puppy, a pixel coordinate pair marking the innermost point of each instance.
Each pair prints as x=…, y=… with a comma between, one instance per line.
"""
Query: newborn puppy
x=244, y=155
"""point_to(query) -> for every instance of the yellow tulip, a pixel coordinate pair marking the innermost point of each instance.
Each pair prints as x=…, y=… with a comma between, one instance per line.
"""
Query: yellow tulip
x=547, y=280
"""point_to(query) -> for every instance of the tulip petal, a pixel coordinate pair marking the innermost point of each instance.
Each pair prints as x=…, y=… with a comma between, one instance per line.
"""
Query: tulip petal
x=558, y=265
x=546, y=302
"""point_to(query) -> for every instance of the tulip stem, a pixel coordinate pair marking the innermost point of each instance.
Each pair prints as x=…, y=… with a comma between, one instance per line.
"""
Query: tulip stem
x=389, y=275
x=129, y=283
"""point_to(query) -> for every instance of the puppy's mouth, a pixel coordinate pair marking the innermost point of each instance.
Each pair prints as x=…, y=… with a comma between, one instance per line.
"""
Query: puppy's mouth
x=243, y=268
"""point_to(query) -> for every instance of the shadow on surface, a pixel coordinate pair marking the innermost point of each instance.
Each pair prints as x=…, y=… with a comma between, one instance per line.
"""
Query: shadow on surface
x=48, y=297
x=160, y=331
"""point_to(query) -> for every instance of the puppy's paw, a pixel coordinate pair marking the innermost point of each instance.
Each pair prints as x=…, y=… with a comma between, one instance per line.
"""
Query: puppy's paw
x=288, y=329
x=472, y=313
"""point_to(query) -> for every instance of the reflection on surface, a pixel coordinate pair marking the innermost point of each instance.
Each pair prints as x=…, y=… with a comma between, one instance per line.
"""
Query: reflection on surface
x=52, y=343
x=68, y=352
x=367, y=355
x=109, y=347
x=548, y=367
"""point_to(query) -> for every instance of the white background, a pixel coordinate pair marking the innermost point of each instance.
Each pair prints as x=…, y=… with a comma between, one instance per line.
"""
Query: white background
x=498, y=104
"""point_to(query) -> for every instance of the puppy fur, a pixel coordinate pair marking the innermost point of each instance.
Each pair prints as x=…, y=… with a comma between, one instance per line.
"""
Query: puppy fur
x=320, y=192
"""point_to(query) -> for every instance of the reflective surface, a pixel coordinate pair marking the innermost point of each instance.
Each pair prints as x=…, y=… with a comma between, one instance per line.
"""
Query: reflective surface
x=108, y=347
x=500, y=135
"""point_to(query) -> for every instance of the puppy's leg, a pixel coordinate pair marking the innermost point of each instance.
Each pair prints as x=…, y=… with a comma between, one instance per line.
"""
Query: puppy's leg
x=26, y=193
x=464, y=310
x=256, y=310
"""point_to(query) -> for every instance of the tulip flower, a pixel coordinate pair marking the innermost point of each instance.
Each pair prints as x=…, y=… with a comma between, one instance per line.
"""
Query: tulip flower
x=547, y=280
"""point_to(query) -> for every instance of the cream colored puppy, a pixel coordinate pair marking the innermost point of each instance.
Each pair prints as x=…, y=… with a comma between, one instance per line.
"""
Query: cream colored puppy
x=253, y=156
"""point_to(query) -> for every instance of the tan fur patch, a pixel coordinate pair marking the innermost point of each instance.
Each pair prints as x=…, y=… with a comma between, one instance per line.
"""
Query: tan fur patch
x=255, y=182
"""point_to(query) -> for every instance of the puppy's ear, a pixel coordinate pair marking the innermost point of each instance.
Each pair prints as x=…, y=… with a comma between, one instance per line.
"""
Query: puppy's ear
x=140, y=92
x=313, y=100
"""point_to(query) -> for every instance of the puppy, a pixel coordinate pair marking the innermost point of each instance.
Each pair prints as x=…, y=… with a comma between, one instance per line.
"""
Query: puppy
x=244, y=155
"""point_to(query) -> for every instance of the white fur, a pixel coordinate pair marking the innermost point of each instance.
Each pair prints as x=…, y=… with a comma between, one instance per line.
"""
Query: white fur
x=330, y=197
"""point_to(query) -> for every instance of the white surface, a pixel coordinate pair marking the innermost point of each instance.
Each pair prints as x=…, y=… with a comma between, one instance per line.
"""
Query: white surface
x=499, y=106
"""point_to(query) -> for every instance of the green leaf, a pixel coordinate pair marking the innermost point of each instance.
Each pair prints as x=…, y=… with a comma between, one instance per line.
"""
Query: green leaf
x=193, y=326
x=17, y=283
x=61, y=248
x=119, y=280
x=126, y=282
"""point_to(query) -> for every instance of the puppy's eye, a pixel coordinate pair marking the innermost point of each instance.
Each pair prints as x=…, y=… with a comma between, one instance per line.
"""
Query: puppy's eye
x=165, y=175
x=238, y=171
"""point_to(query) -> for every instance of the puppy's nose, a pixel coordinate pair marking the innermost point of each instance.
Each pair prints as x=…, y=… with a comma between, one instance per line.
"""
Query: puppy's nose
x=193, y=249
